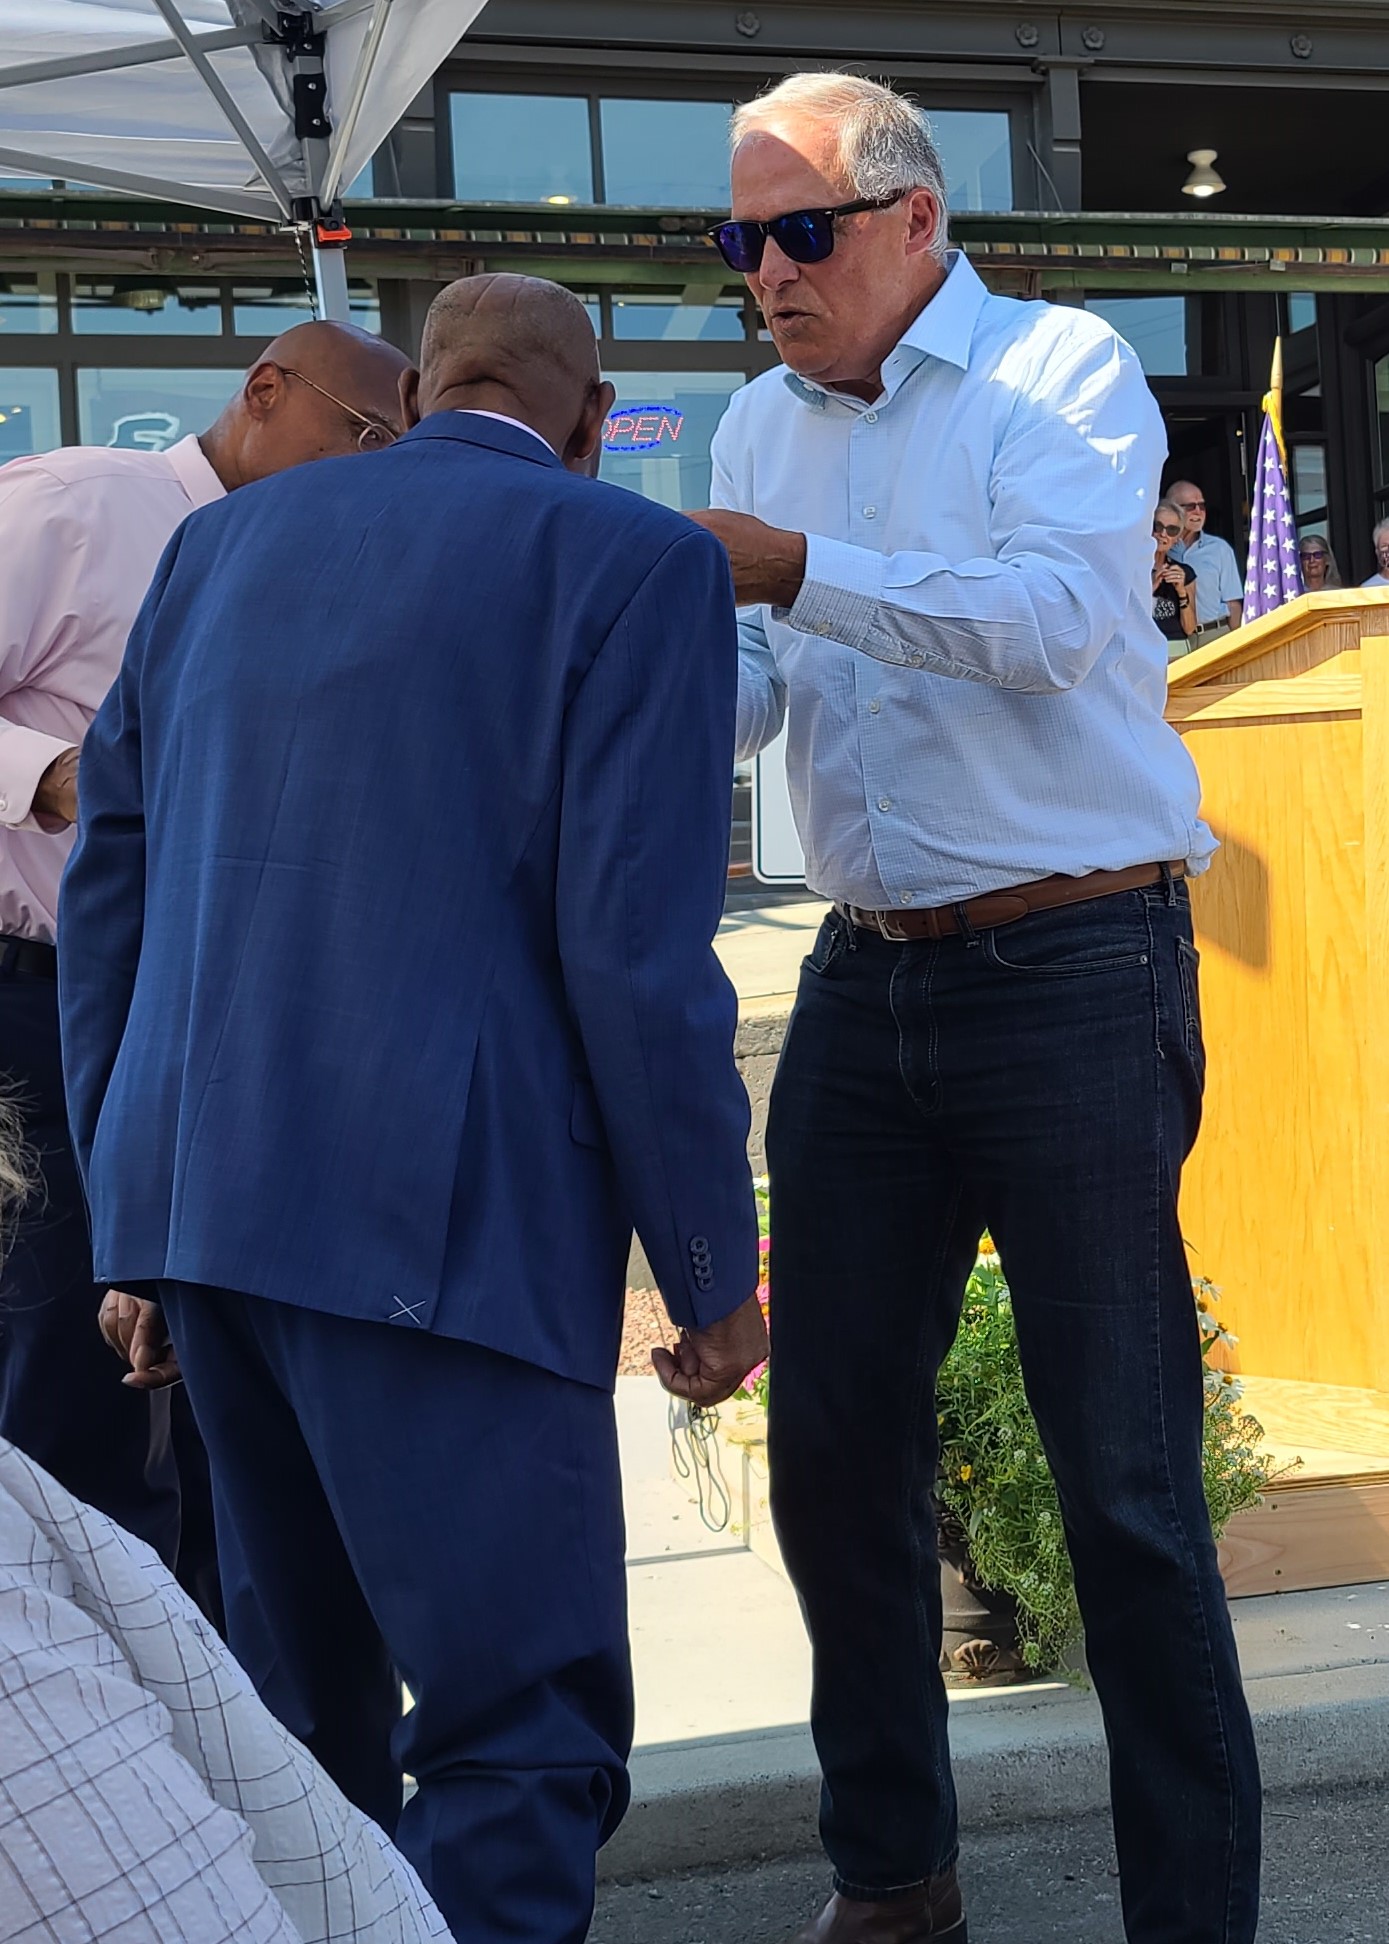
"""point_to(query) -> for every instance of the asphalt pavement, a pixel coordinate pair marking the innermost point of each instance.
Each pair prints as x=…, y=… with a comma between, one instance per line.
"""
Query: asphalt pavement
x=1327, y=1882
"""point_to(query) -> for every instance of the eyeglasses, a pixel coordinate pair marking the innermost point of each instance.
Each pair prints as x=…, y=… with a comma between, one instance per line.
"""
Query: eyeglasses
x=1314, y=553
x=374, y=436
x=1170, y=532
x=1192, y=506
x=804, y=235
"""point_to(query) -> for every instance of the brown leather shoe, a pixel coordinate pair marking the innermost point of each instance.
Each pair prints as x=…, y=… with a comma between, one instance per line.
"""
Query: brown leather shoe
x=935, y=1911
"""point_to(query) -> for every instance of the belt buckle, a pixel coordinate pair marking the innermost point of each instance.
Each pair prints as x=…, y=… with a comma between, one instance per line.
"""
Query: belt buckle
x=891, y=927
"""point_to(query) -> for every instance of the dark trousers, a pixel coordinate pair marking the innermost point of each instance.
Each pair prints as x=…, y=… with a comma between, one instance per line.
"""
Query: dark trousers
x=387, y=1501
x=134, y=1456
x=1043, y=1081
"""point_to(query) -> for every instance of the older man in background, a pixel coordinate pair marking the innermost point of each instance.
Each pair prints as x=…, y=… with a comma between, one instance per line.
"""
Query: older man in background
x=1219, y=581
x=940, y=515
x=1380, y=540
x=81, y=530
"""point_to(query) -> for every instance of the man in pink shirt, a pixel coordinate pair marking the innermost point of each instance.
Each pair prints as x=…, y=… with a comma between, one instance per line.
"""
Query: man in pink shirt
x=81, y=532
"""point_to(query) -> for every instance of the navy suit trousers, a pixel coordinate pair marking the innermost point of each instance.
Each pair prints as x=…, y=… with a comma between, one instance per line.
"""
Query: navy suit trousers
x=391, y=1502
x=134, y=1456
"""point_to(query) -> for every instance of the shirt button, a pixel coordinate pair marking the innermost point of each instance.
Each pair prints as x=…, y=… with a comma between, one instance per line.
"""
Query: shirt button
x=874, y=706
x=870, y=418
x=870, y=512
x=907, y=896
x=884, y=803
x=822, y=627
x=915, y=661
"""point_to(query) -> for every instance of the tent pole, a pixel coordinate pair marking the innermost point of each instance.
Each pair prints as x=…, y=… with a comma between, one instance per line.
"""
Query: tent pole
x=330, y=282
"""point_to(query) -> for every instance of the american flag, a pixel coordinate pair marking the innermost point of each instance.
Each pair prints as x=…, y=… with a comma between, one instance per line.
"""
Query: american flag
x=1273, y=575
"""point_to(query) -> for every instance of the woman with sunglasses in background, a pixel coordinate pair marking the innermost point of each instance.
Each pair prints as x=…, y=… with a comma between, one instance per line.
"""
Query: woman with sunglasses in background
x=1318, y=564
x=1174, y=583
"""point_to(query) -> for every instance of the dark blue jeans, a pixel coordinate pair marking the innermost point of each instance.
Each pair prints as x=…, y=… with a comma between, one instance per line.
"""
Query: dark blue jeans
x=1044, y=1081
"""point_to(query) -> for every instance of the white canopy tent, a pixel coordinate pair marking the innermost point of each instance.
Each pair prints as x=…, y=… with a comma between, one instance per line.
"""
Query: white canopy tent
x=262, y=108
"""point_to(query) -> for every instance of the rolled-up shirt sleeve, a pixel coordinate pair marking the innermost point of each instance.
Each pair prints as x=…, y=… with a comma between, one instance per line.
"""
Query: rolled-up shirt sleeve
x=761, y=690
x=38, y=537
x=1071, y=498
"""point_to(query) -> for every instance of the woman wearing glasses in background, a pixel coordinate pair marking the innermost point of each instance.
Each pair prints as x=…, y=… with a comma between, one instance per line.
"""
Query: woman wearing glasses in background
x=1174, y=583
x=1318, y=563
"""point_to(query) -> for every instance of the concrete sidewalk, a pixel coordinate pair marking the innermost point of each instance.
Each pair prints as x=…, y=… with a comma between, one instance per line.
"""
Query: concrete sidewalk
x=724, y=1771
x=762, y=949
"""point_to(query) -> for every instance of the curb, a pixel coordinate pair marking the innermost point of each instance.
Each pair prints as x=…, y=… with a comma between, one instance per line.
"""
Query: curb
x=1021, y=1755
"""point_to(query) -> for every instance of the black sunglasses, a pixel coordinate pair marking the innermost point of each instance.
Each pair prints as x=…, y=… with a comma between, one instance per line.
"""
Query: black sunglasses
x=1170, y=532
x=804, y=235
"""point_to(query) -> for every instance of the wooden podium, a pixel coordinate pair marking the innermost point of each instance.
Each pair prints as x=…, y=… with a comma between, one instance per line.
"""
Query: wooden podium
x=1285, y=1204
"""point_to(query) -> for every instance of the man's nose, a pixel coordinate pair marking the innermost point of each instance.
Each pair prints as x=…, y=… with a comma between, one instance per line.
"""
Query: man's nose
x=776, y=269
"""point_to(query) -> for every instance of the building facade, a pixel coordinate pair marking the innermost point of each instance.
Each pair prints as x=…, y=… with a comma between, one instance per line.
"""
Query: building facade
x=586, y=140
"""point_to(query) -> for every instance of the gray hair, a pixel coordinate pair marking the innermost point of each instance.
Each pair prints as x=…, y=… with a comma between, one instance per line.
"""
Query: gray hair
x=1382, y=527
x=16, y=1168
x=885, y=144
x=1170, y=506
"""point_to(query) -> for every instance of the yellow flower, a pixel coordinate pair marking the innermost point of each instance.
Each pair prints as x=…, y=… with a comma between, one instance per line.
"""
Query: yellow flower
x=966, y=1473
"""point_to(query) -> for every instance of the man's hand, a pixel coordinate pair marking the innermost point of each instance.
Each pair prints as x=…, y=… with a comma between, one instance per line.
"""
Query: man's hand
x=55, y=799
x=768, y=563
x=706, y=1366
x=135, y=1330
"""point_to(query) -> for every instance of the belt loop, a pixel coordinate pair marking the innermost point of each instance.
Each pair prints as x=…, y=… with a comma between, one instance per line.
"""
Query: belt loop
x=1170, y=884
x=967, y=931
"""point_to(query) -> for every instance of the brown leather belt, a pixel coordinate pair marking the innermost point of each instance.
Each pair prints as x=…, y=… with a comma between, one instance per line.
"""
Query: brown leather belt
x=996, y=908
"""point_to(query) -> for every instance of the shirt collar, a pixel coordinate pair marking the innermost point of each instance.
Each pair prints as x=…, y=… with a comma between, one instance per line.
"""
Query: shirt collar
x=193, y=473
x=943, y=328
x=503, y=419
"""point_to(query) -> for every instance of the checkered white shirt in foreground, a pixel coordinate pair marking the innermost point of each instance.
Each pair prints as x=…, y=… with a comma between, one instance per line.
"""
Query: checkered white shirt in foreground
x=146, y=1795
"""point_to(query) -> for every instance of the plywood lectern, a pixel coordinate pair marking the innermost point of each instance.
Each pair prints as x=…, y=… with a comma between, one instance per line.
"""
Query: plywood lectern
x=1285, y=1204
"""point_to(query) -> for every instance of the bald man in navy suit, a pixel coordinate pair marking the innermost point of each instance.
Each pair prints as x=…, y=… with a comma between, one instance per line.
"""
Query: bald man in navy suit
x=389, y=1008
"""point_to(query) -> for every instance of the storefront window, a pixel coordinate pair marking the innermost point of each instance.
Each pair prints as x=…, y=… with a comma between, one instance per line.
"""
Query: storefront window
x=521, y=148
x=657, y=440
x=269, y=305
x=149, y=410
x=1156, y=327
x=29, y=420
x=666, y=154
x=28, y=306
x=1299, y=310
x=1309, y=484
x=661, y=314
x=976, y=149
x=145, y=307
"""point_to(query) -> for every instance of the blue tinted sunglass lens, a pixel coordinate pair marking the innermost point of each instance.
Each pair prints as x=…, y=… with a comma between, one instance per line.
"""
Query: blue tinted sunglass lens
x=806, y=237
x=740, y=245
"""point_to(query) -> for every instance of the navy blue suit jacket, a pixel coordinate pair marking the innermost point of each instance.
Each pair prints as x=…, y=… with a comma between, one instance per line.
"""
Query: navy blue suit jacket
x=386, y=969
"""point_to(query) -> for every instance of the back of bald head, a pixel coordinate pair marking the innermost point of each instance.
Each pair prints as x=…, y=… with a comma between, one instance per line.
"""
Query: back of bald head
x=507, y=343
x=341, y=356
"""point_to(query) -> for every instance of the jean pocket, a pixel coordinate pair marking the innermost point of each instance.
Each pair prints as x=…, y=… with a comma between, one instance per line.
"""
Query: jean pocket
x=1074, y=942
x=1189, y=980
x=831, y=943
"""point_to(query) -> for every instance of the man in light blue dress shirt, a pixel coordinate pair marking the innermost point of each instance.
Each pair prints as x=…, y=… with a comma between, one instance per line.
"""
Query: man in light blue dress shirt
x=938, y=513
x=1219, y=582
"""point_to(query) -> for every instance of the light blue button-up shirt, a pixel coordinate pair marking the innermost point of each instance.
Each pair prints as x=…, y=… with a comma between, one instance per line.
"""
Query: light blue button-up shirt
x=1218, y=578
x=971, y=674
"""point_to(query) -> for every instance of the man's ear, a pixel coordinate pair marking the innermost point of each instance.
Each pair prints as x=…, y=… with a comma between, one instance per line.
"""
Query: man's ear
x=583, y=453
x=923, y=213
x=264, y=389
x=409, y=398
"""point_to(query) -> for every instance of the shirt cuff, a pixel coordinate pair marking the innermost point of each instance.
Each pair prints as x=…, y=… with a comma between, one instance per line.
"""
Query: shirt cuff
x=841, y=593
x=24, y=756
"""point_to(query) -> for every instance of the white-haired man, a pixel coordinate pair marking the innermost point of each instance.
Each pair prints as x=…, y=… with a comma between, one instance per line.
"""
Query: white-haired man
x=939, y=517
x=1219, y=581
x=1380, y=577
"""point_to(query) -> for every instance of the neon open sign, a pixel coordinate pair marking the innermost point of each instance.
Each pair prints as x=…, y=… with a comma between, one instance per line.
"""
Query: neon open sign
x=642, y=428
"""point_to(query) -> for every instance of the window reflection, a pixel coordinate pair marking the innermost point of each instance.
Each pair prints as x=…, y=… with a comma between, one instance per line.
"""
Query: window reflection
x=659, y=154
x=1156, y=327
x=976, y=150
x=29, y=420
x=662, y=314
x=671, y=416
x=28, y=305
x=145, y=307
x=521, y=148
x=269, y=305
x=149, y=410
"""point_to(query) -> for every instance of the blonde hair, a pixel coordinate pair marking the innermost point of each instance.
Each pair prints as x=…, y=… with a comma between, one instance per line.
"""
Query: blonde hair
x=16, y=1168
x=885, y=145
